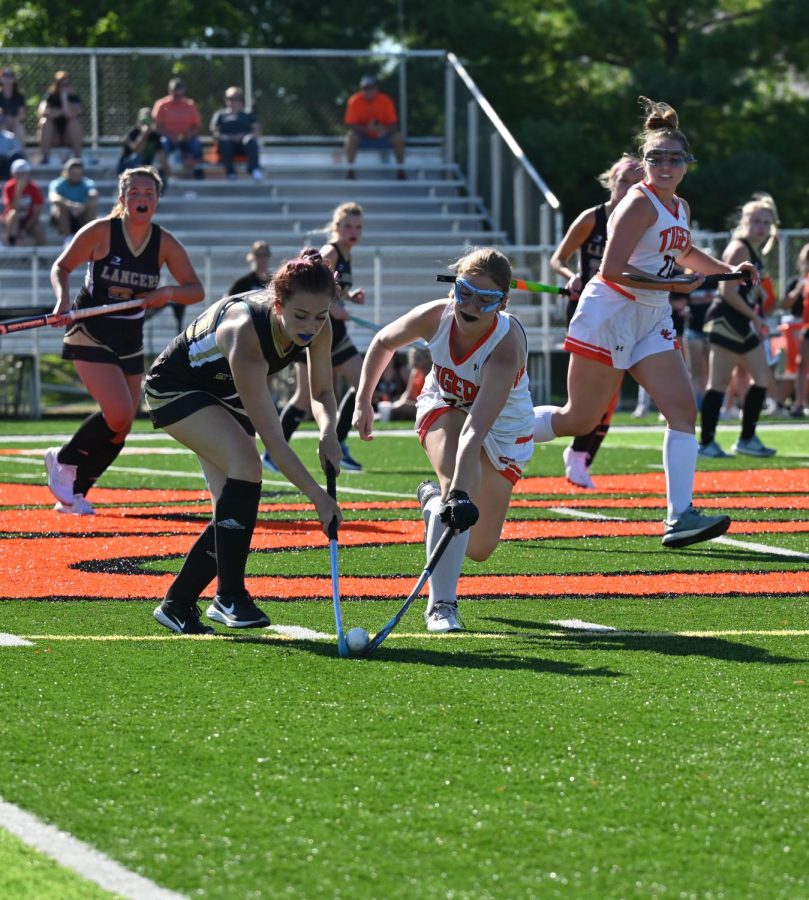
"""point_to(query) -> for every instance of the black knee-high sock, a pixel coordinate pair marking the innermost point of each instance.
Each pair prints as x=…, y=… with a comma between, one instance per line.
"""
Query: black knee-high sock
x=589, y=443
x=91, y=450
x=291, y=417
x=345, y=414
x=197, y=571
x=711, y=407
x=234, y=521
x=91, y=434
x=753, y=401
x=89, y=471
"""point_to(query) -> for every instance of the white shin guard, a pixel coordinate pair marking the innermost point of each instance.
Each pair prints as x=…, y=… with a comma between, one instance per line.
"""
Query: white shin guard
x=444, y=579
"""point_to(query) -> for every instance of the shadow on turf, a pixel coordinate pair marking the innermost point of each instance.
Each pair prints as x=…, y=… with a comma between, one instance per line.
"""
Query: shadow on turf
x=667, y=644
x=460, y=659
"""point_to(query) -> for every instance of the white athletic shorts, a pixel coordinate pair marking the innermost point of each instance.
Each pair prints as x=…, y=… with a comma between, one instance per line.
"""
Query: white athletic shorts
x=509, y=455
x=612, y=329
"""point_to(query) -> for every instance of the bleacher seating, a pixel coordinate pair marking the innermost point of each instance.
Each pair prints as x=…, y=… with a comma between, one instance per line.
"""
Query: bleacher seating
x=416, y=227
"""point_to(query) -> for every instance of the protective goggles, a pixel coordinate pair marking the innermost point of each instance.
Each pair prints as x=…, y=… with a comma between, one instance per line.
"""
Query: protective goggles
x=661, y=158
x=467, y=293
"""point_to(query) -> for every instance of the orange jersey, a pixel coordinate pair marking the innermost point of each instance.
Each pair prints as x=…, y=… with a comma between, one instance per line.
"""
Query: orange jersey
x=361, y=111
x=173, y=117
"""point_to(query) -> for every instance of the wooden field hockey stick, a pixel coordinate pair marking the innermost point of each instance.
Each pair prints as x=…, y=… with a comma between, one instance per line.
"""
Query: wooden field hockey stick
x=74, y=315
x=432, y=562
x=519, y=284
x=331, y=490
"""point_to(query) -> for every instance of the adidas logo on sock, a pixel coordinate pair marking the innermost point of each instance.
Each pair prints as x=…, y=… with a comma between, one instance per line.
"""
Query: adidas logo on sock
x=232, y=524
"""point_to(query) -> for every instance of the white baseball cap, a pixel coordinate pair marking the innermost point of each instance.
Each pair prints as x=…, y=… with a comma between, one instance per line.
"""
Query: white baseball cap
x=20, y=165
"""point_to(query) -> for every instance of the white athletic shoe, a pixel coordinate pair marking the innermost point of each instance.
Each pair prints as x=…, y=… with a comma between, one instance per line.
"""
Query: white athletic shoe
x=576, y=468
x=79, y=507
x=443, y=619
x=60, y=476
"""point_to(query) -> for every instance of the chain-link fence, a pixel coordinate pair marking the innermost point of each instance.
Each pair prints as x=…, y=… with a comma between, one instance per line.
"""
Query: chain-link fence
x=293, y=93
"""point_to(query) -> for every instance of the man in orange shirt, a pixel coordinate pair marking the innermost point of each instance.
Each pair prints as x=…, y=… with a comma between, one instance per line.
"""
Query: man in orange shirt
x=177, y=120
x=372, y=124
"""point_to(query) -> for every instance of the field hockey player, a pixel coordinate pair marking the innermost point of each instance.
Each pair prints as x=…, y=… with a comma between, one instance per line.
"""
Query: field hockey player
x=474, y=416
x=211, y=390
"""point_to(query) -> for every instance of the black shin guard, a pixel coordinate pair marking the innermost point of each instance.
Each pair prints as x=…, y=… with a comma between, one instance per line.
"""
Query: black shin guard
x=90, y=470
x=345, y=414
x=91, y=450
x=92, y=434
x=753, y=402
x=291, y=417
x=198, y=569
x=234, y=521
x=711, y=407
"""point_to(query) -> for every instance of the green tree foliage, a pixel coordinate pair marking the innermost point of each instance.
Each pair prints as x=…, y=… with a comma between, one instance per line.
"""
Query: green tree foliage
x=564, y=75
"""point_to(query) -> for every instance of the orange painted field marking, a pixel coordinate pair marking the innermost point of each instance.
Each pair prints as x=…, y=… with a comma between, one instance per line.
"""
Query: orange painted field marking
x=134, y=528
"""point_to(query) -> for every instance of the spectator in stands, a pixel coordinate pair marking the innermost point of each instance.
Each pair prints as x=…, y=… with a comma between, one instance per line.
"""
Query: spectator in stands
x=22, y=200
x=404, y=407
x=12, y=105
x=59, y=117
x=372, y=124
x=73, y=199
x=235, y=131
x=177, y=120
x=10, y=149
x=259, y=274
x=143, y=146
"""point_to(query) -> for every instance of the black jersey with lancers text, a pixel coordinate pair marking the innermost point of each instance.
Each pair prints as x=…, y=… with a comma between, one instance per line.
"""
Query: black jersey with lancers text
x=122, y=274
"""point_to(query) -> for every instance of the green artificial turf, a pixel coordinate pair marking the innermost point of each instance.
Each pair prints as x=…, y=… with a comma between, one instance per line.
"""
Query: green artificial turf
x=520, y=759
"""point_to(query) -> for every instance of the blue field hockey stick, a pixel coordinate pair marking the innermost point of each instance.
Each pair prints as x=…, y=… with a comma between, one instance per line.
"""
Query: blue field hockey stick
x=331, y=490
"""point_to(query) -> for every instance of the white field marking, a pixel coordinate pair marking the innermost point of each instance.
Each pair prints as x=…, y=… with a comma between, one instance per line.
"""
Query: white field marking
x=11, y=640
x=579, y=625
x=174, y=473
x=299, y=633
x=79, y=857
x=162, y=437
x=583, y=514
x=760, y=548
x=421, y=635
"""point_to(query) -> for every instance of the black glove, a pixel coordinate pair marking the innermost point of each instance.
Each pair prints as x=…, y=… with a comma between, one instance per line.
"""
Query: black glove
x=458, y=511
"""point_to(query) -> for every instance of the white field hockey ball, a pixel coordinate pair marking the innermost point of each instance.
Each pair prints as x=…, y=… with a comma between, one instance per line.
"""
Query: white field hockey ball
x=357, y=640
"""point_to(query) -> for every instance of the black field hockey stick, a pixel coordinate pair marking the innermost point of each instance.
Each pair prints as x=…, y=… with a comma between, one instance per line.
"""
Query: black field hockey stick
x=432, y=562
x=519, y=284
x=331, y=490
x=28, y=322
x=711, y=281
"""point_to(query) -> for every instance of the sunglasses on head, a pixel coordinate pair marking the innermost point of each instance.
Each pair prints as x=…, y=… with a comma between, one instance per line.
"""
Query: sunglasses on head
x=662, y=157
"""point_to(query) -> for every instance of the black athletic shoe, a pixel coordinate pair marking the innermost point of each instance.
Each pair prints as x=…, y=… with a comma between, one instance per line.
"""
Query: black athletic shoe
x=237, y=611
x=182, y=619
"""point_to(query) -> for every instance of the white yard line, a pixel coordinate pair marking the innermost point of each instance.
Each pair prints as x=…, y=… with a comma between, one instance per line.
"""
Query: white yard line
x=79, y=857
x=583, y=514
x=269, y=637
x=197, y=476
x=579, y=625
x=161, y=436
x=11, y=640
x=760, y=548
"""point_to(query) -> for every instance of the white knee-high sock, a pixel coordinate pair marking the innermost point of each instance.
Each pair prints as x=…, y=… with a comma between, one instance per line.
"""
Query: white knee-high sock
x=679, y=462
x=444, y=580
x=543, y=429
